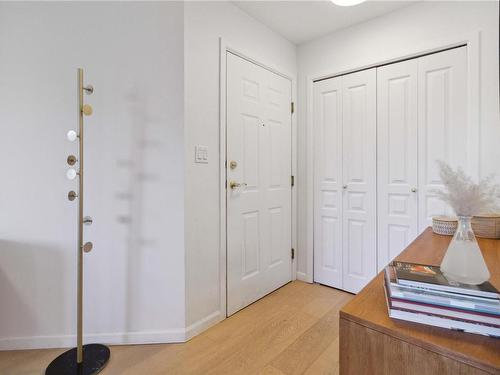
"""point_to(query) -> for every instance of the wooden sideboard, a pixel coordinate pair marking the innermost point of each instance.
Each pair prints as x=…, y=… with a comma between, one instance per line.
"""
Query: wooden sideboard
x=372, y=343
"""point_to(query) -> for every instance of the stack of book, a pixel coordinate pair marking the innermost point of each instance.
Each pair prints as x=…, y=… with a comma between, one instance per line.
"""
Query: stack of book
x=422, y=294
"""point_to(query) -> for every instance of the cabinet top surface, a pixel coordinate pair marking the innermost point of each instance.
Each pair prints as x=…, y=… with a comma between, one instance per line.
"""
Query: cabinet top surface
x=369, y=308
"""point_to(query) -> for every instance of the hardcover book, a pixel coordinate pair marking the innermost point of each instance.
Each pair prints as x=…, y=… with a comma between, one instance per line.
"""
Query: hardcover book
x=462, y=307
x=440, y=297
x=430, y=277
x=439, y=321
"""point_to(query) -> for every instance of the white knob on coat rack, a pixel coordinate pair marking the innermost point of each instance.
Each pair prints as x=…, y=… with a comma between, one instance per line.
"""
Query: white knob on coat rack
x=72, y=136
x=71, y=174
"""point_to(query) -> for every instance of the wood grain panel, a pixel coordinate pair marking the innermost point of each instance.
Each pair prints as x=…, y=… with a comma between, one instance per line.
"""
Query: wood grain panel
x=294, y=359
x=366, y=351
x=369, y=309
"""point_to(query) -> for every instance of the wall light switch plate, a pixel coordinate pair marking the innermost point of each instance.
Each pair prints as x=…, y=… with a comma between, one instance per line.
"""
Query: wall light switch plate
x=201, y=154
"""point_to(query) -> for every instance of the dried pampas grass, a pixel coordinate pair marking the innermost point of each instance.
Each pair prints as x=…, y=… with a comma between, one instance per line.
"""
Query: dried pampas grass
x=464, y=196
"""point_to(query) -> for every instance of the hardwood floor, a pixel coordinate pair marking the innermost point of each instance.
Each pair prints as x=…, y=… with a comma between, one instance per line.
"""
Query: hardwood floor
x=294, y=330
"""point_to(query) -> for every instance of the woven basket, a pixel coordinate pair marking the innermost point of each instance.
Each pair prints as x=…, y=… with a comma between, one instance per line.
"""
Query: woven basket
x=444, y=225
x=486, y=225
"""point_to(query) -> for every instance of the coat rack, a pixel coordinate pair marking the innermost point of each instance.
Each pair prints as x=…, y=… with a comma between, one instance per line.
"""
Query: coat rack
x=91, y=358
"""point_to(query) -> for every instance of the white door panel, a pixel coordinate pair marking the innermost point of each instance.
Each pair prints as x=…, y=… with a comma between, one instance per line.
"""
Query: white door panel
x=442, y=124
x=258, y=214
x=328, y=182
x=396, y=158
x=359, y=179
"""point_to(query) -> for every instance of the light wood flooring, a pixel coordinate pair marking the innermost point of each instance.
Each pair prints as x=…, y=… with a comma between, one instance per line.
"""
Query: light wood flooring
x=293, y=330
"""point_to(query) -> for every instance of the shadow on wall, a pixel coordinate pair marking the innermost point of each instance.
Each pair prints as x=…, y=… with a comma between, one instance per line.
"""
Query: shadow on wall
x=23, y=281
x=142, y=179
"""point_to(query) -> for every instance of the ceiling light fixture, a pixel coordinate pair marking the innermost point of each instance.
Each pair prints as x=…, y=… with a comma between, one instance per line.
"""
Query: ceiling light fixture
x=347, y=3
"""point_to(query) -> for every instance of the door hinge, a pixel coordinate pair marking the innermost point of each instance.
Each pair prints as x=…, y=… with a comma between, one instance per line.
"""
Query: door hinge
x=292, y=107
x=292, y=181
x=293, y=253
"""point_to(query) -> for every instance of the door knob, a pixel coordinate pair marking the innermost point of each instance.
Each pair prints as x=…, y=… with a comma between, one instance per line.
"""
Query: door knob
x=234, y=184
x=344, y=187
x=413, y=190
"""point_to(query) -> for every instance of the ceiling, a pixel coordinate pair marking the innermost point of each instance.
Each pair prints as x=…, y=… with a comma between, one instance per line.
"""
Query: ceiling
x=302, y=21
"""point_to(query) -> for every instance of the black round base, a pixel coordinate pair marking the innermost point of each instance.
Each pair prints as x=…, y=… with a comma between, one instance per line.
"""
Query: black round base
x=95, y=357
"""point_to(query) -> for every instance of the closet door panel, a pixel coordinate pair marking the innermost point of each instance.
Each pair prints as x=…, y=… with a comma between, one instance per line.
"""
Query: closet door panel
x=442, y=124
x=328, y=182
x=396, y=158
x=359, y=179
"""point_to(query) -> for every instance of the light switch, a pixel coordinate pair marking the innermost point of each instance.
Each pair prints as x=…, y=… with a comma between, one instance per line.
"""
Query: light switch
x=201, y=154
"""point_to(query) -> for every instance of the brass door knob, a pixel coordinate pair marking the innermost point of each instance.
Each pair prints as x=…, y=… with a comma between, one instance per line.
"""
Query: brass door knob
x=234, y=184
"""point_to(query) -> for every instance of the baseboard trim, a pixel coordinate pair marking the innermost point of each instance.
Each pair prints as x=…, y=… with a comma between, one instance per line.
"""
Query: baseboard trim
x=204, y=323
x=119, y=338
x=302, y=276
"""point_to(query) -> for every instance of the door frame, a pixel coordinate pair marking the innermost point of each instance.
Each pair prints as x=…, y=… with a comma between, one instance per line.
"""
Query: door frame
x=471, y=41
x=224, y=48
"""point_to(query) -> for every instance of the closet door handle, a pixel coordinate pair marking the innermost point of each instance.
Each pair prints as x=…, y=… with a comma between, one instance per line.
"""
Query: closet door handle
x=414, y=190
x=344, y=187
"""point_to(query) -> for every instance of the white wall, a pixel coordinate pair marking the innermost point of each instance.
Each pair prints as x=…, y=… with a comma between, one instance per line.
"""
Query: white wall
x=153, y=208
x=204, y=23
x=134, y=278
x=398, y=34
x=155, y=267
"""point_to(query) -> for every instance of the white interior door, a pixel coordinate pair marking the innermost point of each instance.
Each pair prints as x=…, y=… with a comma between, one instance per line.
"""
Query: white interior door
x=396, y=158
x=359, y=178
x=442, y=124
x=259, y=159
x=328, y=193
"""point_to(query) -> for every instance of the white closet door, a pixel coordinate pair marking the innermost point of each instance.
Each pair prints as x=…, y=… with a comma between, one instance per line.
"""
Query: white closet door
x=442, y=124
x=359, y=179
x=396, y=158
x=328, y=182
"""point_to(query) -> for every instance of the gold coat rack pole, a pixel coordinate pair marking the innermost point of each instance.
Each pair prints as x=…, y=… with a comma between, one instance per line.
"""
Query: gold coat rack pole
x=86, y=359
x=79, y=303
